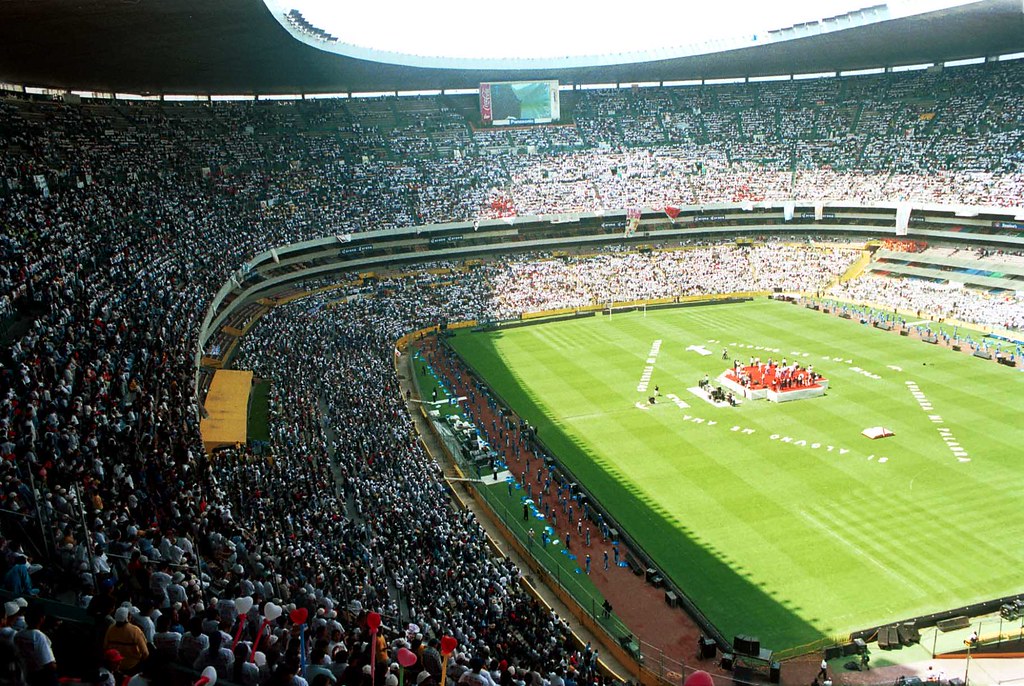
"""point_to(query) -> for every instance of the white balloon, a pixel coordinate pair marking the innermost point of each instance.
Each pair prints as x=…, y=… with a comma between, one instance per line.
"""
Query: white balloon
x=243, y=605
x=272, y=611
x=210, y=674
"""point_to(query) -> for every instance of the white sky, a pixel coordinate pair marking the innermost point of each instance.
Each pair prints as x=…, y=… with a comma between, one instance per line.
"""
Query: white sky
x=558, y=28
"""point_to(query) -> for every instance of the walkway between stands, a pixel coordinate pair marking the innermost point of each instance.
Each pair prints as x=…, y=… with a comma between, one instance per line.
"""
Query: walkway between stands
x=547, y=595
x=640, y=605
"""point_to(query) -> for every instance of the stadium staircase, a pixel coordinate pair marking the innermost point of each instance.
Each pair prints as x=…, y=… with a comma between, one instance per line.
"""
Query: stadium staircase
x=854, y=125
x=855, y=269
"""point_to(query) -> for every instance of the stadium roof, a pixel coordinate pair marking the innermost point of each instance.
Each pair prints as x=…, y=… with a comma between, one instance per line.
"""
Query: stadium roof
x=558, y=34
x=238, y=46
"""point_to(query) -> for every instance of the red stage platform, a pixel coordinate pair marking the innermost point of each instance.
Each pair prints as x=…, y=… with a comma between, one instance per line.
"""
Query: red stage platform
x=774, y=383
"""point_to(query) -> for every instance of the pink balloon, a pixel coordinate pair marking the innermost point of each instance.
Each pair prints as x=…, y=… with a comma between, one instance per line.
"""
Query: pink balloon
x=699, y=678
x=406, y=657
x=373, y=620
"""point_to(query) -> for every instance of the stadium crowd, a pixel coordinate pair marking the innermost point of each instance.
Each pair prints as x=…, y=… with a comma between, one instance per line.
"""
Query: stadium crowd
x=937, y=300
x=120, y=222
x=579, y=282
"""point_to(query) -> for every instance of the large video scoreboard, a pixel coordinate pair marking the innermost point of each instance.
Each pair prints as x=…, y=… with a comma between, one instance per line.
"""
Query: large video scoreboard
x=519, y=102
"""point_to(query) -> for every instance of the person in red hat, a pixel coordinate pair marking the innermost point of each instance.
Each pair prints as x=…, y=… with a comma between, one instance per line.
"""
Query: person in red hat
x=110, y=672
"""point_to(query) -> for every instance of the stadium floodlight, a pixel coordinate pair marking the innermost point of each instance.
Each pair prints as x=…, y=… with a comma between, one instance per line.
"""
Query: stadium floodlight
x=863, y=72
x=130, y=96
x=912, y=67
x=964, y=62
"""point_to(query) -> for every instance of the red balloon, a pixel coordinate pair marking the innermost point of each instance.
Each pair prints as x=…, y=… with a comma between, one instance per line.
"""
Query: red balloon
x=406, y=657
x=299, y=615
x=373, y=620
x=448, y=645
x=699, y=678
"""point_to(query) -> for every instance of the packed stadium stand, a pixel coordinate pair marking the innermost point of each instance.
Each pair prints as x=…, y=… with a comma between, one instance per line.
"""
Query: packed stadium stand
x=147, y=244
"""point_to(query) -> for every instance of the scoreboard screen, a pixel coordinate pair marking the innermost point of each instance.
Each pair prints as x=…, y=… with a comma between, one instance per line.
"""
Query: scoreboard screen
x=519, y=102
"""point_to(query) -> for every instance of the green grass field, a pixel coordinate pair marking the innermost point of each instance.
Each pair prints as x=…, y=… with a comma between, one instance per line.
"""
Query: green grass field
x=258, y=426
x=782, y=520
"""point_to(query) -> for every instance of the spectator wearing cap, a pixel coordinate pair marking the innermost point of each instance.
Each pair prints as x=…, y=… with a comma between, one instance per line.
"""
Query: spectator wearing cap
x=86, y=579
x=7, y=630
x=19, y=621
x=18, y=550
x=36, y=650
x=366, y=676
x=109, y=673
x=127, y=639
x=176, y=590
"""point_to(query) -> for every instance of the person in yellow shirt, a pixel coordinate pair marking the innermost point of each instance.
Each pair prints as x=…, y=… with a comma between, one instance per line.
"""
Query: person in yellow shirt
x=382, y=650
x=127, y=639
